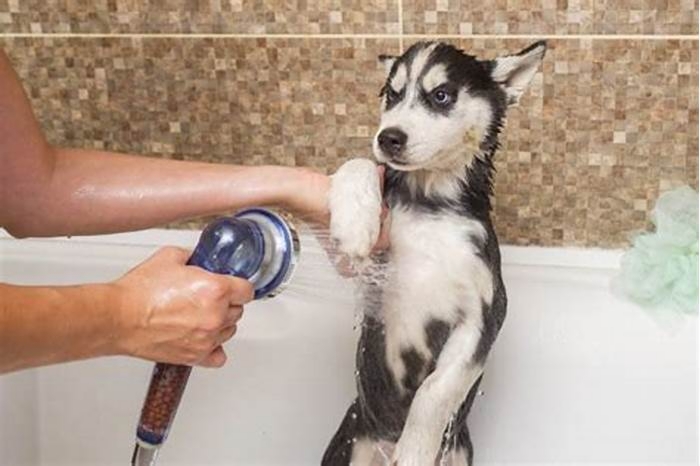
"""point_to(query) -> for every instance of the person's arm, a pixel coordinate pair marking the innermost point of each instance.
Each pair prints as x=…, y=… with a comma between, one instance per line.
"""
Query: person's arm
x=162, y=310
x=48, y=191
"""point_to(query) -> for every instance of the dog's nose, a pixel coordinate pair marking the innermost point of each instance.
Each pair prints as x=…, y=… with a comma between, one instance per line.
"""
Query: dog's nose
x=392, y=141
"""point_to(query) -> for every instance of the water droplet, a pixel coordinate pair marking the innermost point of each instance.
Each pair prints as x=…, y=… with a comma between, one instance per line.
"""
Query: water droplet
x=481, y=393
x=357, y=373
x=353, y=416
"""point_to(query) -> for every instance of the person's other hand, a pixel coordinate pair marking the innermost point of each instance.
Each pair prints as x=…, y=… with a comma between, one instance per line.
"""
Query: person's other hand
x=175, y=313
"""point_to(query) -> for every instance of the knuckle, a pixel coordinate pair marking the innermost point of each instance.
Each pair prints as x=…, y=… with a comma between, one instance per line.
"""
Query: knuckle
x=211, y=323
x=242, y=290
x=236, y=312
x=193, y=358
x=218, y=361
x=207, y=349
x=218, y=286
x=246, y=288
x=171, y=252
x=229, y=334
x=211, y=347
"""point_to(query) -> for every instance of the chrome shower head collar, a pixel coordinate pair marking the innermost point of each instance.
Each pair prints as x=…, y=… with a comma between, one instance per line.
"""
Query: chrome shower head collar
x=280, y=255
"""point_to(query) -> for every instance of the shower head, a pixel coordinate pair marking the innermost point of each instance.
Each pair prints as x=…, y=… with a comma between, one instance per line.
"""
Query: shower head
x=255, y=244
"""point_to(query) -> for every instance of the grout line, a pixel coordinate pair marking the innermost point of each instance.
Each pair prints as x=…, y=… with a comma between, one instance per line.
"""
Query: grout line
x=558, y=36
x=401, y=27
x=400, y=36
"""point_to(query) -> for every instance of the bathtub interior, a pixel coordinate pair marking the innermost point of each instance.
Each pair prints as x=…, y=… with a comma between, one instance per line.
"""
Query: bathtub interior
x=578, y=375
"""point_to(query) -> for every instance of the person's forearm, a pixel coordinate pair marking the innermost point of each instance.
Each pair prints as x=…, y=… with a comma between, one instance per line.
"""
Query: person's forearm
x=47, y=325
x=46, y=191
x=90, y=192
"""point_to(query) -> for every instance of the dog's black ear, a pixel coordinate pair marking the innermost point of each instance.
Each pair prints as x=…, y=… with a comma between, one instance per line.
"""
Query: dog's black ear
x=388, y=62
x=514, y=72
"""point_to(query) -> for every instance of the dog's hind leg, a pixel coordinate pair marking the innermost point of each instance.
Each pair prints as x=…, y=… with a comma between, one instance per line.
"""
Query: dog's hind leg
x=460, y=443
x=462, y=453
x=352, y=446
x=340, y=450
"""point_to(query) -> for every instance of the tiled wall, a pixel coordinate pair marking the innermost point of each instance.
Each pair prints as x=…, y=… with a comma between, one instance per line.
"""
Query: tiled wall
x=609, y=123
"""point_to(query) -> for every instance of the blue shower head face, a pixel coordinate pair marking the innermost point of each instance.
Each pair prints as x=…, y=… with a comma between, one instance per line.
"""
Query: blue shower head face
x=256, y=244
x=231, y=247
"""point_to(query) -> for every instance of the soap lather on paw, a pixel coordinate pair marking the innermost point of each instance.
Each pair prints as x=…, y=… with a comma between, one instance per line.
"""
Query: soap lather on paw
x=359, y=222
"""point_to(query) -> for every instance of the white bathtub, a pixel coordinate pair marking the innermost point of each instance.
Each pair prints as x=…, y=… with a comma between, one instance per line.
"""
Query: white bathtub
x=578, y=376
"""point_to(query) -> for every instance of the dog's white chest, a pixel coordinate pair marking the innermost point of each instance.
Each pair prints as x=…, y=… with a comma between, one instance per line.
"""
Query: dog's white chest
x=434, y=274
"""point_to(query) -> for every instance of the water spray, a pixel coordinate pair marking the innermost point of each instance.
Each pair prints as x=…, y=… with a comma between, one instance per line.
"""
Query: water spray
x=255, y=244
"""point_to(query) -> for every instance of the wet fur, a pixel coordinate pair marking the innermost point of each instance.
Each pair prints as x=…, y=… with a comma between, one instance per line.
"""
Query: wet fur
x=428, y=330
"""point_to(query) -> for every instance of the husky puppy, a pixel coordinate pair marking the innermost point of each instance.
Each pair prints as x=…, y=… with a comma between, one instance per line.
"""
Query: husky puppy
x=429, y=324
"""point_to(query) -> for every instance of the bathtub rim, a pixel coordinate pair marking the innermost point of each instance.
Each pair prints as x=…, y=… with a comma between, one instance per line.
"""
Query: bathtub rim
x=54, y=248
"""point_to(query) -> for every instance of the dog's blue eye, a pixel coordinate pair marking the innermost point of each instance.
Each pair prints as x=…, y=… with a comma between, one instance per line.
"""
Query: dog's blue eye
x=441, y=97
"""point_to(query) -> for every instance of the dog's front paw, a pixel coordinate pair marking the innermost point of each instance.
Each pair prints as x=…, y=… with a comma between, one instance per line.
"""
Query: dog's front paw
x=355, y=203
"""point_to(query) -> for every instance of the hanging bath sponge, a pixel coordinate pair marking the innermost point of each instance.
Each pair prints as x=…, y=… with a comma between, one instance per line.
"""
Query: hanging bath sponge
x=661, y=268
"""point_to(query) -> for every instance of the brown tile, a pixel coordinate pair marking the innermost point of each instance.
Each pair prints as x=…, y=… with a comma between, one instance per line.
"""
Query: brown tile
x=550, y=17
x=251, y=101
x=211, y=17
x=606, y=126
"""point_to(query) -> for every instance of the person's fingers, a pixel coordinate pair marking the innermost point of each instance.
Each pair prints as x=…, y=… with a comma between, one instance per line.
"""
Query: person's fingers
x=344, y=266
x=173, y=254
x=381, y=171
x=241, y=290
x=233, y=315
x=226, y=334
x=383, y=240
x=216, y=358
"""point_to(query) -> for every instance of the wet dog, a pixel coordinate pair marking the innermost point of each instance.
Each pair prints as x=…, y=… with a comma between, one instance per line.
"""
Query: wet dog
x=430, y=322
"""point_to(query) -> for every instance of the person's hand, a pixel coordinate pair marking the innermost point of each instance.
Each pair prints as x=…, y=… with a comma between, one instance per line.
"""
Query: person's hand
x=171, y=312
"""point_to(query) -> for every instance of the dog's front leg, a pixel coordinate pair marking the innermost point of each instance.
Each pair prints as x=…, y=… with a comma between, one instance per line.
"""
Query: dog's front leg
x=355, y=204
x=438, y=398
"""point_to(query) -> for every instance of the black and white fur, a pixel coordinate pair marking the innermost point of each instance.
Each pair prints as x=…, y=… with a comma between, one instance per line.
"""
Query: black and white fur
x=429, y=326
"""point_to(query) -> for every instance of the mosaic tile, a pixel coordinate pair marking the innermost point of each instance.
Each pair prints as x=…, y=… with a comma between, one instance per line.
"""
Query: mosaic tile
x=550, y=17
x=248, y=101
x=606, y=126
x=200, y=16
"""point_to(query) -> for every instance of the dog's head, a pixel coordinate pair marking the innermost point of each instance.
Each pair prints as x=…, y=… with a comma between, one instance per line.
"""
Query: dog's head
x=437, y=98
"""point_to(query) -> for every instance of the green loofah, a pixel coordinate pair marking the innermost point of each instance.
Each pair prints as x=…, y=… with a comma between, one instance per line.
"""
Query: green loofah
x=661, y=268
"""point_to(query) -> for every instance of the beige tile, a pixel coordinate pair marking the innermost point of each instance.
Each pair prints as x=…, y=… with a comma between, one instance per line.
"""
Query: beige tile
x=251, y=101
x=550, y=17
x=187, y=16
x=605, y=133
